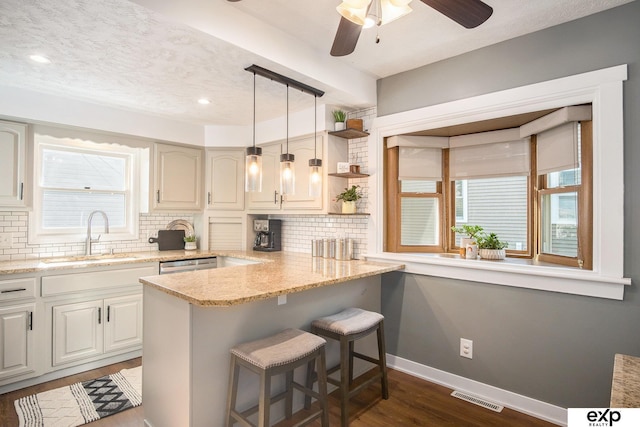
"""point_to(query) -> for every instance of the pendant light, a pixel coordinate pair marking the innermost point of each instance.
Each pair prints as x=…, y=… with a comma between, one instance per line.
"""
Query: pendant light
x=287, y=169
x=315, y=164
x=253, y=160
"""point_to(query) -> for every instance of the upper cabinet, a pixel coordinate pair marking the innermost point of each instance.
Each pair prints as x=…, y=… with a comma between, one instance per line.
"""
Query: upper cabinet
x=177, y=178
x=225, y=179
x=13, y=164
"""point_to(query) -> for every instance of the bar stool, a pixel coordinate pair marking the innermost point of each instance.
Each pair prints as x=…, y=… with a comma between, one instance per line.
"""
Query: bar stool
x=347, y=327
x=277, y=354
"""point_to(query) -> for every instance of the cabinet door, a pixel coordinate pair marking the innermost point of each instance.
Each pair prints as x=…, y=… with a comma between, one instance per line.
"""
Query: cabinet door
x=77, y=331
x=123, y=323
x=12, y=163
x=16, y=340
x=178, y=178
x=225, y=179
x=269, y=197
x=303, y=150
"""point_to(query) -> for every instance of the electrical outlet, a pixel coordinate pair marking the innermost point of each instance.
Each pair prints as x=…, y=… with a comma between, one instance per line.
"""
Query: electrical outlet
x=466, y=348
x=282, y=299
x=6, y=240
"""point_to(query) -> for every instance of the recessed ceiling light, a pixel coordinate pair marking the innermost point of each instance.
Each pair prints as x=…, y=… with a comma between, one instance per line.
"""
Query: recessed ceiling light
x=204, y=101
x=40, y=59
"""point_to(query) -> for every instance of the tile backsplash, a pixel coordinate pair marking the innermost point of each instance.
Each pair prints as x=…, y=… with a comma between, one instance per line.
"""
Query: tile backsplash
x=16, y=223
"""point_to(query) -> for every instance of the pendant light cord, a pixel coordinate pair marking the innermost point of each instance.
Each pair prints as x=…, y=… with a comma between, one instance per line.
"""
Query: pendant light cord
x=254, y=109
x=315, y=126
x=287, y=119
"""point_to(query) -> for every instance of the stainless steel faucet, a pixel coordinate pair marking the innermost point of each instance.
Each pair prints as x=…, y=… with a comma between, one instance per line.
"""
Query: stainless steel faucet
x=89, y=239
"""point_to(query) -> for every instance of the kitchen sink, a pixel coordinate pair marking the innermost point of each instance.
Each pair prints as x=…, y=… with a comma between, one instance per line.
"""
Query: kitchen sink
x=88, y=258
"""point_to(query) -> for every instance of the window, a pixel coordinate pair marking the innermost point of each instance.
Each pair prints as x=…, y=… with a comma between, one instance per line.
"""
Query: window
x=524, y=184
x=74, y=177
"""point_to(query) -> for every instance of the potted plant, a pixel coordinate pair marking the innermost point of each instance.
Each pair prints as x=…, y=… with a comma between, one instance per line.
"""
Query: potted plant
x=190, y=242
x=490, y=247
x=339, y=118
x=472, y=232
x=349, y=197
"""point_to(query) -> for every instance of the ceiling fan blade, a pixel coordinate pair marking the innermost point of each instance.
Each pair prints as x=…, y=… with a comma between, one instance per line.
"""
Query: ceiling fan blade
x=346, y=38
x=468, y=13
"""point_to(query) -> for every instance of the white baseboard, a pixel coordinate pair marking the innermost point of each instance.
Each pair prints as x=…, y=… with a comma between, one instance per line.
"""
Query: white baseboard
x=535, y=408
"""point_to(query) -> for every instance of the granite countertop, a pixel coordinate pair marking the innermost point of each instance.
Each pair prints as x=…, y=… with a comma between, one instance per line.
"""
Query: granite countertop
x=79, y=262
x=625, y=387
x=278, y=273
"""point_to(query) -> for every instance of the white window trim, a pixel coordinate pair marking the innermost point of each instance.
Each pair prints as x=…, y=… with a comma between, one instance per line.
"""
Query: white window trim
x=37, y=235
x=604, y=90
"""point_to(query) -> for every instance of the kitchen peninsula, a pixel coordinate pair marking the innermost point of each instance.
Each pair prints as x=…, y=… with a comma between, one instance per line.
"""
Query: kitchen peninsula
x=191, y=320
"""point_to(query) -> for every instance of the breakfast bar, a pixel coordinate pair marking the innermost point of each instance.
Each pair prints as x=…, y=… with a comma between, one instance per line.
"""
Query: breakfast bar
x=191, y=320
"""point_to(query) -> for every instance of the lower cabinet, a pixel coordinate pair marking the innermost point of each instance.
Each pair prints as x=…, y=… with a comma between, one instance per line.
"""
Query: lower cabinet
x=17, y=340
x=86, y=329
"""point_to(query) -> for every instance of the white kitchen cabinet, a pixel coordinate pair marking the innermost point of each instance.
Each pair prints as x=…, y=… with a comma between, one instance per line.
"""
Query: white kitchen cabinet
x=177, y=178
x=225, y=179
x=270, y=199
x=82, y=330
x=13, y=164
x=123, y=327
x=17, y=341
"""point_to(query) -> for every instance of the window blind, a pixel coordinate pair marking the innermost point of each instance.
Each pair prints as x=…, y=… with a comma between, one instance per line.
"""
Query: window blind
x=558, y=149
x=419, y=157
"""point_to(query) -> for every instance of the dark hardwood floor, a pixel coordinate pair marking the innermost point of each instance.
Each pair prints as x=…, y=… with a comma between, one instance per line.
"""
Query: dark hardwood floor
x=412, y=402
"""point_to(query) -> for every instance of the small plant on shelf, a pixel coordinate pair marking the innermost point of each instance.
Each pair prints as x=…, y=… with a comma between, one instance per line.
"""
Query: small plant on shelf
x=472, y=231
x=190, y=242
x=190, y=238
x=349, y=197
x=491, y=247
x=339, y=116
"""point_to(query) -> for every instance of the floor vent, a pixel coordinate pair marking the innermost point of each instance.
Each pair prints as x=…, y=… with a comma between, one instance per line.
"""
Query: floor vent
x=477, y=401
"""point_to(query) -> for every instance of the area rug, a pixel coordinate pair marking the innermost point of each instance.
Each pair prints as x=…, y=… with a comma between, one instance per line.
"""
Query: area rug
x=82, y=402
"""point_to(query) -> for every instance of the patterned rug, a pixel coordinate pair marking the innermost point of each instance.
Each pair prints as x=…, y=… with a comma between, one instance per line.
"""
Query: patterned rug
x=82, y=402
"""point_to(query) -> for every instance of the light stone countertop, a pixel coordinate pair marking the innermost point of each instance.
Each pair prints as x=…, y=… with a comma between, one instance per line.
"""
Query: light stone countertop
x=79, y=262
x=278, y=273
x=625, y=387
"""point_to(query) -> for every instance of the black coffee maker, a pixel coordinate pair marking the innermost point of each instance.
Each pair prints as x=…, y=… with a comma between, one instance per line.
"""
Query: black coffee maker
x=268, y=235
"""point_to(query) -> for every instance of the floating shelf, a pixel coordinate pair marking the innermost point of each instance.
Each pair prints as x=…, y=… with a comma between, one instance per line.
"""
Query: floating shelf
x=350, y=175
x=349, y=214
x=349, y=133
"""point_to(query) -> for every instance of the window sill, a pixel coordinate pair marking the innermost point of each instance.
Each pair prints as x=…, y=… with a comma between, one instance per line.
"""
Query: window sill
x=520, y=273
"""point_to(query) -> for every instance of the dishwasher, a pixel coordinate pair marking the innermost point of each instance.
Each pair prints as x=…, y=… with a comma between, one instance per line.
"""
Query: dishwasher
x=180, y=266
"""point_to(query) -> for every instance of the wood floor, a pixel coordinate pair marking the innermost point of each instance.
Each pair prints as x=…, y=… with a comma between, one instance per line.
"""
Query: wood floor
x=412, y=402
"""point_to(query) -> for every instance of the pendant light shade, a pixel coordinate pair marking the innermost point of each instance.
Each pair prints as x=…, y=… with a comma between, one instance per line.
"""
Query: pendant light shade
x=315, y=164
x=253, y=160
x=287, y=168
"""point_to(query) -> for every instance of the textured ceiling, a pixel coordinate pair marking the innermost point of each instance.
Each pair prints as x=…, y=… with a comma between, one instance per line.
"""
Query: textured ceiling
x=129, y=55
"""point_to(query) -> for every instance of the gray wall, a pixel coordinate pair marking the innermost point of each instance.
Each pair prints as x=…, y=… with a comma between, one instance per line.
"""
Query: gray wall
x=552, y=347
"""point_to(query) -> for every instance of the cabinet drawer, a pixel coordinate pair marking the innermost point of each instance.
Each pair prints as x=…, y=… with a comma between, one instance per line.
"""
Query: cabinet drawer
x=97, y=280
x=17, y=288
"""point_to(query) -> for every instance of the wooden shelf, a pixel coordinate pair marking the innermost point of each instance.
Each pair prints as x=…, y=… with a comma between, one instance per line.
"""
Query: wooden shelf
x=349, y=133
x=349, y=175
x=348, y=214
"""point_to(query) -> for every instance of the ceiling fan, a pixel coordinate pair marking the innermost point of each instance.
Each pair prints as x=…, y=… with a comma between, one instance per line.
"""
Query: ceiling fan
x=355, y=14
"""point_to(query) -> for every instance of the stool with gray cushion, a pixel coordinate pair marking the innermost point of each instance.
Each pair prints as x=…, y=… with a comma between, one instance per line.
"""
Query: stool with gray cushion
x=347, y=327
x=277, y=354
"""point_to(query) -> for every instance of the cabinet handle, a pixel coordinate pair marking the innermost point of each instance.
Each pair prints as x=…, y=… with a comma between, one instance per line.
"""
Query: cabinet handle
x=31, y=320
x=157, y=196
x=209, y=197
x=275, y=197
x=108, y=313
x=21, y=190
x=99, y=315
x=13, y=290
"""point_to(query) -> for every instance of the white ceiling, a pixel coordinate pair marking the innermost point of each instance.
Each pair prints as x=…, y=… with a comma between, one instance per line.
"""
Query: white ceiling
x=161, y=56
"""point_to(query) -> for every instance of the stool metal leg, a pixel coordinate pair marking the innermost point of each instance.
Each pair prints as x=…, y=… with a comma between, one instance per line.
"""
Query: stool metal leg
x=322, y=388
x=351, y=346
x=345, y=375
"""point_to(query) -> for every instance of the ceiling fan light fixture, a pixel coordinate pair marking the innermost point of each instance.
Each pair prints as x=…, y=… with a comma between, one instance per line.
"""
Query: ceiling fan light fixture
x=357, y=15
x=393, y=9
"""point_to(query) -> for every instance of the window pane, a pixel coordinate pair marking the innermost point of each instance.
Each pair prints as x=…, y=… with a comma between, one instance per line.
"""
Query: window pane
x=418, y=186
x=560, y=224
x=70, y=209
x=563, y=178
x=71, y=169
x=499, y=205
x=419, y=218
